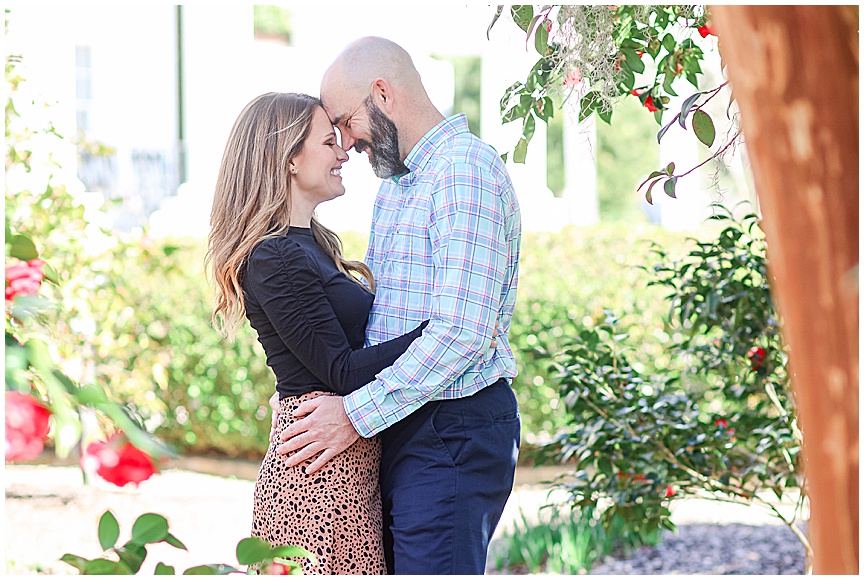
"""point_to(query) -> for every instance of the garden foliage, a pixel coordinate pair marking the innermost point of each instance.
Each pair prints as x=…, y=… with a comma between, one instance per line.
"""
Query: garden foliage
x=719, y=418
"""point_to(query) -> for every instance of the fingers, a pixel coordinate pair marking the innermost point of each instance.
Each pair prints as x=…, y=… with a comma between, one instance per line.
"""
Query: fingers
x=304, y=454
x=274, y=402
x=322, y=460
x=306, y=407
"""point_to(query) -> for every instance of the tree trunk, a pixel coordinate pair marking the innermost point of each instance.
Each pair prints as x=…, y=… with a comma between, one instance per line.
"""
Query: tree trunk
x=794, y=73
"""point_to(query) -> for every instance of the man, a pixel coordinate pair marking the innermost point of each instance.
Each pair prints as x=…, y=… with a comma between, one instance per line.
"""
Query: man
x=444, y=247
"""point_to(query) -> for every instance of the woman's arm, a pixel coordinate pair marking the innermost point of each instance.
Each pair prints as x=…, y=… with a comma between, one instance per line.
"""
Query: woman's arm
x=289, y=289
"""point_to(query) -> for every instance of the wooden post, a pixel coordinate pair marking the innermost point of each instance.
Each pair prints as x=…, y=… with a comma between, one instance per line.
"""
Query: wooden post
x=794, y=73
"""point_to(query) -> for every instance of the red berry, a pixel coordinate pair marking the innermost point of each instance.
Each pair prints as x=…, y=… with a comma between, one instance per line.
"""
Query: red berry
x=756, y=356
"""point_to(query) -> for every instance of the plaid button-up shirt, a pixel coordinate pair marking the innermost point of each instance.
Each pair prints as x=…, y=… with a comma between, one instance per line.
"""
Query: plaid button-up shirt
x=444, y=247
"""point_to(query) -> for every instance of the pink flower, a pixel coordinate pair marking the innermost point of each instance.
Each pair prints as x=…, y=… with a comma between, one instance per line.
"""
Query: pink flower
x=277, y=569
x=574, y=77
x=117, y=461
x=24, y=278
x=26, y=426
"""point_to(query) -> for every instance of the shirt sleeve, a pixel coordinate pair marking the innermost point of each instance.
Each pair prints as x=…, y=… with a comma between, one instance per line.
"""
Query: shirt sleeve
x=290, y=291
x=469, y=255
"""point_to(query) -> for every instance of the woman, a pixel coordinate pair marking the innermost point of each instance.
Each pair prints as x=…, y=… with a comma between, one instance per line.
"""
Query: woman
x=273, y=262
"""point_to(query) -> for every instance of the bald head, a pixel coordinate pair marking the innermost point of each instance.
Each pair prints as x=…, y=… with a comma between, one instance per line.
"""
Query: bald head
x=367, y=59
x=374, y=94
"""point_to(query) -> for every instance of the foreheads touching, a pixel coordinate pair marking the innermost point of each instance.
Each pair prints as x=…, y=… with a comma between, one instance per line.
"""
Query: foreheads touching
x=349, y=80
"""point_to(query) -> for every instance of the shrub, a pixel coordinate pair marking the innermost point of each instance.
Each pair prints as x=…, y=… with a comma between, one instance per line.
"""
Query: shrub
x=720, y=421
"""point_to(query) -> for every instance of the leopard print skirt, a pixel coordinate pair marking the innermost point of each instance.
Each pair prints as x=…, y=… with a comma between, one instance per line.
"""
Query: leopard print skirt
x=335, y=513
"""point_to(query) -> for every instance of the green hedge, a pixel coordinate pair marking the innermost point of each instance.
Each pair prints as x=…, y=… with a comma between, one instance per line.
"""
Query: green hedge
x=155, y=347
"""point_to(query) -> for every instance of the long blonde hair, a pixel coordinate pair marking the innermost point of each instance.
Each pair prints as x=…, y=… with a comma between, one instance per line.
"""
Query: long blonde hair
x=252, y=201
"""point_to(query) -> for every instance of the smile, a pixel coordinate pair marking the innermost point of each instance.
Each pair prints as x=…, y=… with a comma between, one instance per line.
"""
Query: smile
x=336, y=172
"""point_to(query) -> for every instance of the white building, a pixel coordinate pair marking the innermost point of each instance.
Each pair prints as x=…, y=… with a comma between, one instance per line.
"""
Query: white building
x=162, y=85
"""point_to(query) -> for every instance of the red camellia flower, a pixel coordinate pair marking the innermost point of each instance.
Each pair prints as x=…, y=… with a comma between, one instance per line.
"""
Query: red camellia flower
x=26, y=426
x=721, y=423
x=670, y=491
x=117, y=461
x=23, y=278
x=757, y=357
x=649, y=102
x=705, y=30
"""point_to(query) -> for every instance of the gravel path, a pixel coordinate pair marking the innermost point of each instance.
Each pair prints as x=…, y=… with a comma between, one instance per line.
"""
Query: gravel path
x=716, y=549
x=49, y=512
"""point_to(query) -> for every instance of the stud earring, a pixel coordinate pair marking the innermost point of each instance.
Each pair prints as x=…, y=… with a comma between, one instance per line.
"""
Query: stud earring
x=294, y=170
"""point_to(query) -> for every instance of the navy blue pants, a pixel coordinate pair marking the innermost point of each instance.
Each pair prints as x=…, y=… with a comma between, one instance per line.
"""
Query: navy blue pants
x=446, y=472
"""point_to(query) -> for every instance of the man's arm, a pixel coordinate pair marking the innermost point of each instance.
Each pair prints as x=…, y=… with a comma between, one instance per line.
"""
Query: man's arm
x=467, y=233
x=328, y=433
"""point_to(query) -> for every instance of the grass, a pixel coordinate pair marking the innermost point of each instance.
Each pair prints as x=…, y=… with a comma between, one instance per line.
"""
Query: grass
x=565, y=541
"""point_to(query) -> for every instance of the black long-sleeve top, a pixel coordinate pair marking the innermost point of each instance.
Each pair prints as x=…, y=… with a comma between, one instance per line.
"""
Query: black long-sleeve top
x=311, y=319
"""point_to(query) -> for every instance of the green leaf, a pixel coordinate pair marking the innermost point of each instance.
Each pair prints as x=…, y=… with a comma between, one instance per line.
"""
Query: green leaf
x=627, y=78
x=648, y=196
x=670, y=169
x=541, y=37
x=109, y=530
x=51, y=274
x=528, y=128
x=544, y=108
x=633, y=61
x=104, y=567
x=168, y=249
x=294, y=552
x=132, y=555
x=149, y=528
x=91, y=395
x=75, y=561
x=691, y=78
x=488, y=30
x=173, y=541
x=253, y=550
x=522, y=14
x=163, y=570
x=21, y=247
x=521, y=151
x=650, y=177
x=668, y=43
x=669, y=186
x=703, y=126
x=685, y=108
x=211, y=570
x=605, y=116
x=504, y=157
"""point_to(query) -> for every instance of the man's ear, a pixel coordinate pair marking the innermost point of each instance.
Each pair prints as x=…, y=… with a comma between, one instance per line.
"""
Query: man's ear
x=382, y=94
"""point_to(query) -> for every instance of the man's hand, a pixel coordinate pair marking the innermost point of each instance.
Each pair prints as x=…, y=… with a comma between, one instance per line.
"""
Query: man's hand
x=324, y=429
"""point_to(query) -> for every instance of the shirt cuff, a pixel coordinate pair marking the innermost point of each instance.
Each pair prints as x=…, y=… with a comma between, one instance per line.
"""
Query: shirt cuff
x=363, y=413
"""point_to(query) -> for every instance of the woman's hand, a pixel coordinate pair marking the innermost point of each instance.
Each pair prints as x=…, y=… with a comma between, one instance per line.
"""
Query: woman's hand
x=274, y=404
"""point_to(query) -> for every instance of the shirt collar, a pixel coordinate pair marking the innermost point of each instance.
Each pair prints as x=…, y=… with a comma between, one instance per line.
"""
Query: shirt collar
x=423, y=150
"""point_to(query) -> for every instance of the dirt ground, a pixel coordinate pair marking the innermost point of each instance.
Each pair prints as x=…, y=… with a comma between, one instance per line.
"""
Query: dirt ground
x=49, y=511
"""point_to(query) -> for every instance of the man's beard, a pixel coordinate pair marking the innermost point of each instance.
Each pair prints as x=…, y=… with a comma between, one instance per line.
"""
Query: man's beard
x=384, y=149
